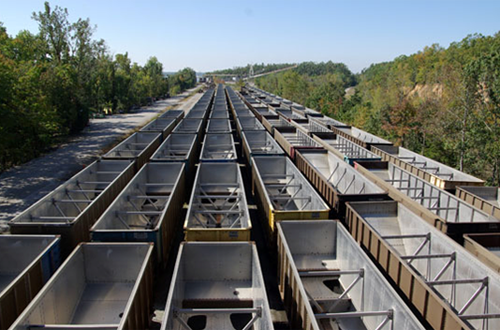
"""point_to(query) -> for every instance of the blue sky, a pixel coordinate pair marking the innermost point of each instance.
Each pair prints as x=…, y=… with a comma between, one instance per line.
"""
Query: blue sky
x=208, y=35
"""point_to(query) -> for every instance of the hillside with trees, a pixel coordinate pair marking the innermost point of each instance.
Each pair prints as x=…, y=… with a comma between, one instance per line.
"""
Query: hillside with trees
x=441, y=102
x=257, y=68
x=51, y=82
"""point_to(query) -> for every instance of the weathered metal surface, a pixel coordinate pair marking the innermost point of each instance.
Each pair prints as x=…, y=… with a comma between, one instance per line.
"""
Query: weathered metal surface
x=336, y=180
x=27, y=263
x=139, y=147
x=284, y=193
x=293, y=140
x=449, y=287
x=73, y=207
x=344, y=148
x=327, y=282
x=438, y=174
x=220, y=283
x=218, y=148
x=487, y=199
x=364, y=139
x=147, y=210
x=99, y=286
x=259, y=143
x=218, y=209
x=486, y=247
x=438, y=207
x=162, y=126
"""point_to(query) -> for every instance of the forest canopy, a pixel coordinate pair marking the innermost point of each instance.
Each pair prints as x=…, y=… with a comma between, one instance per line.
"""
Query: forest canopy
x=441, y=102
x=51, y=82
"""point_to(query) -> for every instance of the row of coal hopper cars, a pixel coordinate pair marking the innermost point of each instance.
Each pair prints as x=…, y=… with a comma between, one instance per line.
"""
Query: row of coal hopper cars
x=413, y=246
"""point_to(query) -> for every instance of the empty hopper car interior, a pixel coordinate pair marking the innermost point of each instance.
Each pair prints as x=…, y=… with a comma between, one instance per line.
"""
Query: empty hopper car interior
x=329, y=283
x=211, y=293
x=98, y=286
x=218, y=208
x=462, y=289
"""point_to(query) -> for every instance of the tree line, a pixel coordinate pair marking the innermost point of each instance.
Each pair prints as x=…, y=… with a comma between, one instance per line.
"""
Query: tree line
x=441, y=102
x=51, y=82
x=257, y=68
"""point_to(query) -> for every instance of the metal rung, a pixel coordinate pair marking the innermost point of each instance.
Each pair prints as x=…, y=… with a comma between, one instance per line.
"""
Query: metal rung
x=86, y=191
x=282, y=185
x=318, y=273
x=405, y=236
x=442, y=208
x=149, y=197
x=353, y=314
x=217, y=310
x=396, y=180
x=94, y=182
x=72, y=201
x=141, y=212
x=411, y=188
x=228, y=185
x=274, y=197
x=139, y=143
x=53, y=218
x=425, y=197
x=430, y=168
x=216, y=212
x=277, y=175
x=428, y=256
x=157, y=184
x=460, y=281
x=108, y=172
x=479, y=316
x=218, y=196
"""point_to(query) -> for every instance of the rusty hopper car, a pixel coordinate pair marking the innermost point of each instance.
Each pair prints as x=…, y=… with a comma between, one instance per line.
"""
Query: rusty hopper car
x=217, y=285
x=259, y=143
x=218, y=209
x=294, y=140
x=330, y=122
x=73, y=207
x=448, y=286
x=337, y=181
x=440, y=208
x=147, y=210
x=328, y=282
x=486, y=247
x=487, y=199
x=179, y=148
x=284, y=193
x=99, y=286
x=271, y=124
x=178, y=115
x=27, y=263
x=218, y=148
x=190, y=126
x=139, y=147
x=219, y=126
x=345, y=149
x=291, y=115
x=248, y=124
x=219, y=114
x=364, y=139
x=438, y=174
x=162, y=126
x=311, y=128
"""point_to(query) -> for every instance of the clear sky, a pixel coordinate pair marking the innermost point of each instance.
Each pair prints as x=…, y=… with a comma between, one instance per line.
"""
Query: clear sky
x=209, y=35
